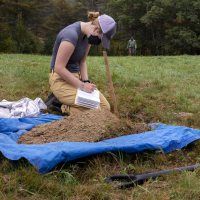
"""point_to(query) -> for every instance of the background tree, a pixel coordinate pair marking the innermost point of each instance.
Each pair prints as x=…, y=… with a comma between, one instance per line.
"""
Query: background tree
x=160, y=27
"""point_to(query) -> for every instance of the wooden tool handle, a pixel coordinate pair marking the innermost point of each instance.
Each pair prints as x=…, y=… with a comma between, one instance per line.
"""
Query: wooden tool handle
x=110, y=84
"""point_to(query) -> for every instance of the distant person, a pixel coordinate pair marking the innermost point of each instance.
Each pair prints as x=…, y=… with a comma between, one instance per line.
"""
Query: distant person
x=69, y=70
x=132, y=46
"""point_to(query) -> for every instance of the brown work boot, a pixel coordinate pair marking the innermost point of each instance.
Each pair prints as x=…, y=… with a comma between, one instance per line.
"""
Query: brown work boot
x=53, y=103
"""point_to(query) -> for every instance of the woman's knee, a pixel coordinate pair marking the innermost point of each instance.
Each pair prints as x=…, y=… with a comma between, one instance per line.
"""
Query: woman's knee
x=104, y=103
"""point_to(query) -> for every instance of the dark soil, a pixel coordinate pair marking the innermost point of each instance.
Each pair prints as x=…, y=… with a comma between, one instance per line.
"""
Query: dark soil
x=88, y=126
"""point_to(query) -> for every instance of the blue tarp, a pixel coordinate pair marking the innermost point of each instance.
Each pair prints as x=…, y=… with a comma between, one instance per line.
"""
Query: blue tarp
x=46, y=156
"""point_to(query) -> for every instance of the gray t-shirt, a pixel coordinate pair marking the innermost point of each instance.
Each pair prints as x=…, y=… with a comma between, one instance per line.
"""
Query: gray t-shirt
x=132, y=44
x=73, y=34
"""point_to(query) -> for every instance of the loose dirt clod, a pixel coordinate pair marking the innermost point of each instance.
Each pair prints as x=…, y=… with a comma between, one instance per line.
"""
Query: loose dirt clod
x=88, y=126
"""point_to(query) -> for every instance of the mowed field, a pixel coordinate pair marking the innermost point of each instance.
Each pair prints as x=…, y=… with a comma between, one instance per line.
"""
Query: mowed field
x=162, y=89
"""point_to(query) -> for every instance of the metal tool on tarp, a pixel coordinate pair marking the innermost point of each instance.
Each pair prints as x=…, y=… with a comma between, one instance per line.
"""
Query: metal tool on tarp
x=130, y=180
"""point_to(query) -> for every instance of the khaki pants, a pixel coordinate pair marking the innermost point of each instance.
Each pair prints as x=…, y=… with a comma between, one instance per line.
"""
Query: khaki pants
x=66, y=94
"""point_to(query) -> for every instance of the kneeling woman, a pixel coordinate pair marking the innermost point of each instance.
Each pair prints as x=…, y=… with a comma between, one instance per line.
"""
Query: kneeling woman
x=68, y=64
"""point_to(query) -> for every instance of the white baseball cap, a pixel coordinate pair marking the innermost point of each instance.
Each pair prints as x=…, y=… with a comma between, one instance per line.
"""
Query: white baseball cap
x=108, y=27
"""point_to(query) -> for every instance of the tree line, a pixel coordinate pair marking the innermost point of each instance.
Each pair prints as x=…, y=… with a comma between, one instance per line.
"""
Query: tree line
x=160, y=27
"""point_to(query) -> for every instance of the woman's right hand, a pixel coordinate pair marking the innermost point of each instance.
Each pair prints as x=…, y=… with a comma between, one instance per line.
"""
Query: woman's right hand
x=87, y=87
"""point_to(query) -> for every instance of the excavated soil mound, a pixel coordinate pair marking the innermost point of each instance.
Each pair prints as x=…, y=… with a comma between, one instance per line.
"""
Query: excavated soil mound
x=88, y=126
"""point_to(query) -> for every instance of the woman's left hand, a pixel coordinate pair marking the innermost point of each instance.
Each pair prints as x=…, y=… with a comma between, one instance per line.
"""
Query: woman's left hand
x=88, y=87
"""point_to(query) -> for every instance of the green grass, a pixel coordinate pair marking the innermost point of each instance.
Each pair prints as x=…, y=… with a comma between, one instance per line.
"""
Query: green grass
x=148, y=89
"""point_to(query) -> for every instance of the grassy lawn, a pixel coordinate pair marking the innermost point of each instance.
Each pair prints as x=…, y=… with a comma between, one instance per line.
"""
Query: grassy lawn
x=148, y=89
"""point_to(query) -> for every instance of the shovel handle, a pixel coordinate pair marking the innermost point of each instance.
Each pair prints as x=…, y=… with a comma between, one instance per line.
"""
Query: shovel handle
x=129, y=180
x=110, y=83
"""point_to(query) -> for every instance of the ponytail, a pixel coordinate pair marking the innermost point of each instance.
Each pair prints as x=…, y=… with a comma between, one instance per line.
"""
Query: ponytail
x=93, y=15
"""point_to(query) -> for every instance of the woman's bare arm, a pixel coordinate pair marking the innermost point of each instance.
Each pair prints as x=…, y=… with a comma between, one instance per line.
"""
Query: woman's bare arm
x=63, y=55
x=83, y=65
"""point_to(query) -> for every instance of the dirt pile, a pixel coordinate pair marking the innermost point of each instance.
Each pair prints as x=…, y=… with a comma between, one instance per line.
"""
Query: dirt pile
x=89, y=126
